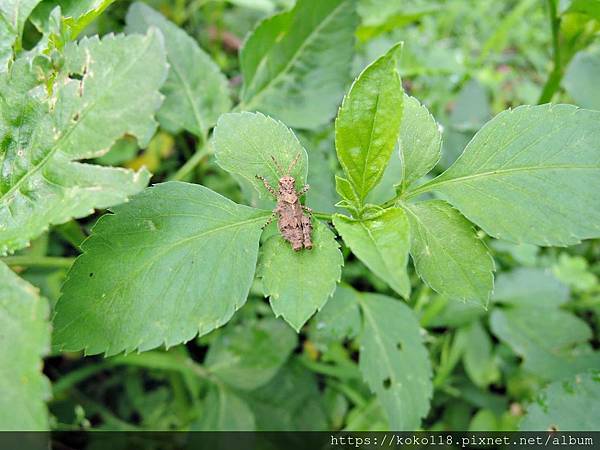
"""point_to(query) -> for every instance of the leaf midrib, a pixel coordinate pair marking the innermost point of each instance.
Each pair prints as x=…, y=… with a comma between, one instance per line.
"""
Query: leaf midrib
x=70, y=131
x=435, y=184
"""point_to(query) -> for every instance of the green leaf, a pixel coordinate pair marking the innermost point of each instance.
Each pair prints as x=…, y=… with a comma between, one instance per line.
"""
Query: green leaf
x=552, y=348
x=528, y=173
x=588, y=7
x=575, y=272
x=24, y=340
x=477, y=357
x=196, y=92
x=245, y=144
x=447, y=254
x=531, y=287
x=289, y=402
x=299, y=284
x=42, y=138
x=583, y=76
x=394, y=361
x=296, y=64
x=176, y=261
x=381, y=242
x=246, y=356
x=340, y=317
x=570, y=405
x=224, y=410
x=76, y=14
x=368, y=123
x=13, y=15
x=420, y=141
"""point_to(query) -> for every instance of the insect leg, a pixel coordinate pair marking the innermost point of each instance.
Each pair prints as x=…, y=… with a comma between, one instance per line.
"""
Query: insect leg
x=306, y=232
x=293, y=164
x=304, y=190
x=271, y=218
x=267, y=185
x=277, y=166
x=307, y=209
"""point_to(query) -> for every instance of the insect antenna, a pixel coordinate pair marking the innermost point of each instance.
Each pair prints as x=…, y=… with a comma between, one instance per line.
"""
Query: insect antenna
x=277, y=166
x=293, y=164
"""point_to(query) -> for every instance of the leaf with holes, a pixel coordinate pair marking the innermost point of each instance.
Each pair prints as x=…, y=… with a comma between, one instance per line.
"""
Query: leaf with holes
x=447, y=254
x=299, y=284
x=196, y=92
x=394, y=361
x=567, y=405
x=24, y=340
x=528, y=173
x=176, y=261
x=296, y=64
x=106, y=88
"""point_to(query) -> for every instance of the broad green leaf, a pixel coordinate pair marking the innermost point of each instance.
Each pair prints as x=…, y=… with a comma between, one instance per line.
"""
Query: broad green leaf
x=24, y=340
x=224, y=410
x=76, y=14
x=588, y=7
x=368, y=123
x=296, y=64
x=447, y=254
x=570, y=405
x=13, y=14
x=381, y=242
x=394, y=360
x=477, y=357
x=196, y=92
x=248, y=355
x=289, y=402
x=299, y=284
x=582, y=78
x=530, y=175
x=176, y=261
x=41, y=182
x=531, y=287
x=340, y=317
x=420, y=141
x=552, y=348
x=246, y=143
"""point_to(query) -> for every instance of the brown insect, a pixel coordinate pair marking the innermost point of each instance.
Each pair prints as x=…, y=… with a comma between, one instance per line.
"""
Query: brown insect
x=294, y=226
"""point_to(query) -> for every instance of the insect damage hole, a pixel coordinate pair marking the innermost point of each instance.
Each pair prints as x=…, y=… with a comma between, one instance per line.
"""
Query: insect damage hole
x=294, y=225
x=387, y=383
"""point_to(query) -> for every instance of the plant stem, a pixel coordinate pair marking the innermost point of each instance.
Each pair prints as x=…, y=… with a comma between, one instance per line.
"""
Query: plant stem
x=202, y=151
x=48, y=262
x=322, y=216
x=555, y=77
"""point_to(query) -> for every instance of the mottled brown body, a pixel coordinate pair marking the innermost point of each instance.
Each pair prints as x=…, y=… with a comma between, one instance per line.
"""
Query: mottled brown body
x=294, y=225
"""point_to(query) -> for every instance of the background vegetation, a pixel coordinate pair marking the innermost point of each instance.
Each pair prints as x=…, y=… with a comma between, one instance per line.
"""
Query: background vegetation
x=495, y=369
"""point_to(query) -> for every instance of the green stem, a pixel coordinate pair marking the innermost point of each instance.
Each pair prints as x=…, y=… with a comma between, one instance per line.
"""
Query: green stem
x=47, y=262
x=553, y=83
x=322, y=216
x=202, y=151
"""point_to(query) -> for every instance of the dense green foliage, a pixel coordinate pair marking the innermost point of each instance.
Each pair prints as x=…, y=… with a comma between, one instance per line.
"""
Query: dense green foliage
x=453, y=280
